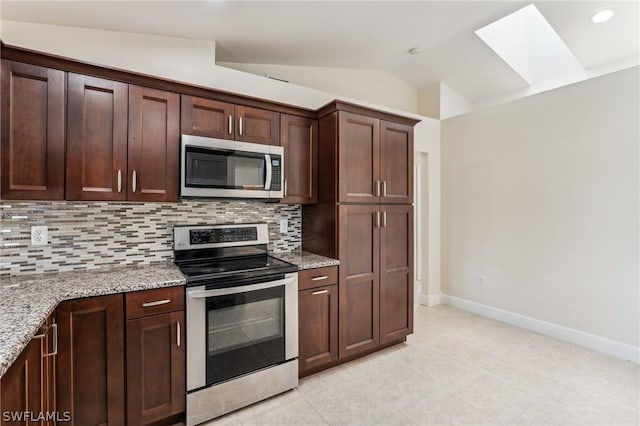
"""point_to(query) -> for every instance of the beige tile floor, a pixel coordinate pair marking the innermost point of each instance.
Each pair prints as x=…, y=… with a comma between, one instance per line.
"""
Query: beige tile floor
x=461, y=369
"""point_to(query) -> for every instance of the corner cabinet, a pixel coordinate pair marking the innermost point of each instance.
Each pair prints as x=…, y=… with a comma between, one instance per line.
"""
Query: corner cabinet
x=299, y=138
x=364, y=218
x=122, y=142
x=223, y=120
x=91, y=363
x=29, y=385
x=33, y=132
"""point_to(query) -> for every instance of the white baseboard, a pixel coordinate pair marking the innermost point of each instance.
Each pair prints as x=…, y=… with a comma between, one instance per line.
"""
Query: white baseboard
x=430, y=299
x=591, y=341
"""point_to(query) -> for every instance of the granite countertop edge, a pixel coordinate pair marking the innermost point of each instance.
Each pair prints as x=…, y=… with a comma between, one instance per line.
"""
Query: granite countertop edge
x=27, y=301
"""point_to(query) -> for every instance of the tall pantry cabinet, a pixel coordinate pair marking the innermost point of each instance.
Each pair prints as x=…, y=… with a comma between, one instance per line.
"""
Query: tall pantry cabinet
x=364, y=218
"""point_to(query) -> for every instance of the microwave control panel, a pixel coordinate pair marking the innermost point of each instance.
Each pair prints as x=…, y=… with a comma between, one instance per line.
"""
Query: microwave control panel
x=276, y=174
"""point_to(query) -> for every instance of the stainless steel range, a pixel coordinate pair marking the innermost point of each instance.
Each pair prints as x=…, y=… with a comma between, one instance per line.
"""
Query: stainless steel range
x=242, y=318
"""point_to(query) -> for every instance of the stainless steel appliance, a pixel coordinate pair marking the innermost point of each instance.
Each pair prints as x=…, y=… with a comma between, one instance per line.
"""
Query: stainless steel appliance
x=229, y=169
x=242, y=318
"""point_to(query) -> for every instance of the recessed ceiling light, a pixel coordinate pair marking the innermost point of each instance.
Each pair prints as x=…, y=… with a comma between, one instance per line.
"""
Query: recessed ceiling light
x=602, y=16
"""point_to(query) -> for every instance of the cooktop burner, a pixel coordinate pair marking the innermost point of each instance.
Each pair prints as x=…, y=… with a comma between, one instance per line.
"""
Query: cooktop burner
x=240, y=258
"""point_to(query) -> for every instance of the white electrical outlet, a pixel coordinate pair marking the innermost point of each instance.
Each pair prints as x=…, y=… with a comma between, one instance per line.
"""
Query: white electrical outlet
x=481, y=280
x=39, y=235
x=284, y=224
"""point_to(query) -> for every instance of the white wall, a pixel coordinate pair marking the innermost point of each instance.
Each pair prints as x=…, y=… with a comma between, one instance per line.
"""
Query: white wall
x=378, y=87
x=540, y=198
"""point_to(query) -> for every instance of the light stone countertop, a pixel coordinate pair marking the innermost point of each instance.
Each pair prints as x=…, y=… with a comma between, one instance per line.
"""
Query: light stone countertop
x=27, y=301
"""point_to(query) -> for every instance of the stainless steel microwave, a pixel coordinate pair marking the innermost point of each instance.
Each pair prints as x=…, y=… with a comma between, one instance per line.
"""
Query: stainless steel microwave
x=230, y=169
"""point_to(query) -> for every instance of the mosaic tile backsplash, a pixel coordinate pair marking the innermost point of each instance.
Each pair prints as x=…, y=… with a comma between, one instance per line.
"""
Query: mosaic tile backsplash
x=89, y=235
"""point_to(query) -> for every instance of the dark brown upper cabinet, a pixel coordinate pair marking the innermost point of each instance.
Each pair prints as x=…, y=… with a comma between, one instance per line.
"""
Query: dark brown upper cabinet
x=123, y=141
x=376, y=160
x=215, y=119
x=96, y=139
x=299, y=138
x=154, y=145
x=396, y=163
x=33, y=132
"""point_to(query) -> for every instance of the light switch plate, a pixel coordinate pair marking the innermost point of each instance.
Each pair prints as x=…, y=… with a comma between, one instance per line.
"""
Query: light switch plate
x=284, y=224
x=39, y=235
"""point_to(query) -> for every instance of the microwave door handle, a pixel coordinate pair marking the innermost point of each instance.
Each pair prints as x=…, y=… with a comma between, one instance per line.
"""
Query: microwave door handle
x=267, y=183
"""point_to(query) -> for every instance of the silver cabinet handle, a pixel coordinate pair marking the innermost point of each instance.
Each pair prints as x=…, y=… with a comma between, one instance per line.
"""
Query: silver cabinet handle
x=384, y=188
x=55, y=340
x=156, y=303
x=384, y=219
x=377, y=219
x=53, y=326
x=320, y=278
x=240, y=125
x=230, y=124
x=178, y=332
x=377, y=188
x=285, y=187
x=134, y=181
x=119, y=180
x=315, y=293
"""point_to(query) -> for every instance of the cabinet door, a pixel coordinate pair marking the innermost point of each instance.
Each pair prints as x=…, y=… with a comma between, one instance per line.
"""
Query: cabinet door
x=299, y=138
x=396, y=163
x=358, y=152
x=91, y=360
x=257, y=125
x=206, y=117
x=33, y=132
x=155, y=368
x=154, y=145
x=318, y=330
x=21, y=386
x=96, y=139
x=396, y=272
x=359, y=302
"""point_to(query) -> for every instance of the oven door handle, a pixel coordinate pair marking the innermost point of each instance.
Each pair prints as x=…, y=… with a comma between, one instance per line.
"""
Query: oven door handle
x=201, y=294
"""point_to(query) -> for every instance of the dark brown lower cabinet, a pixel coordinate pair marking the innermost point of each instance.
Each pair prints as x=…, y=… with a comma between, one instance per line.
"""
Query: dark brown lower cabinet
x=155, y=368
x=318, y=332
x=91, y=384
x=376, y=276
x=28, y=386
x=396, y=272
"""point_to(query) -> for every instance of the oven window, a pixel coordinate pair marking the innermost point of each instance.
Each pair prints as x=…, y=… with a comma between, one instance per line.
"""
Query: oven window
x=245, y=332
x=209, y=168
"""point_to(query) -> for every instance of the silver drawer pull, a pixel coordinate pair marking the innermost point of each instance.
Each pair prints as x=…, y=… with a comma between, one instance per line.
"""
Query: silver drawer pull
x=156, y=303
x=320, y=278
x=178, y=332
x=315, y=293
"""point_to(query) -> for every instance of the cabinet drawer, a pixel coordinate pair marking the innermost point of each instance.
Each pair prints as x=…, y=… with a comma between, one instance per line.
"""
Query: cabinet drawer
x=317, y=277
x=152, y=302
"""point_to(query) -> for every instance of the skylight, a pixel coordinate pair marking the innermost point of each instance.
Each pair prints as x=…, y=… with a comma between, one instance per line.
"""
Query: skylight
x=529, y=45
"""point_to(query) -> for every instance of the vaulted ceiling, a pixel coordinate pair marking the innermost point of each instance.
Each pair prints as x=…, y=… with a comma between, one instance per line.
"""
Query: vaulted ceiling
x=358, y=34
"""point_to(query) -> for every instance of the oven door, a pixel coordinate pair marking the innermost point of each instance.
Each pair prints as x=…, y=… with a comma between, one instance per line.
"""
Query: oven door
x=223, y=168
x=238, y=330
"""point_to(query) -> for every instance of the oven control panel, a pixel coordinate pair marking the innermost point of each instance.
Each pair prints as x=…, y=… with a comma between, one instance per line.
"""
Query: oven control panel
x=225, y=235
